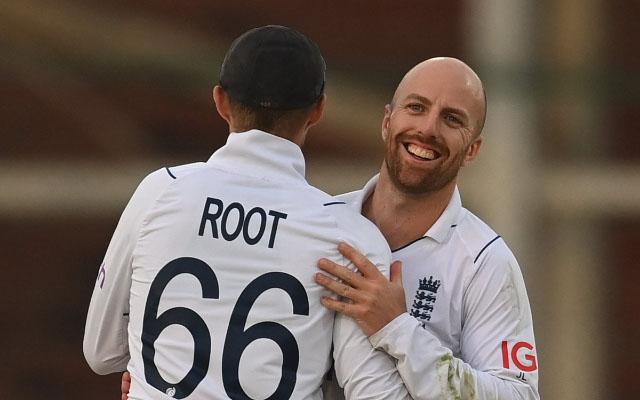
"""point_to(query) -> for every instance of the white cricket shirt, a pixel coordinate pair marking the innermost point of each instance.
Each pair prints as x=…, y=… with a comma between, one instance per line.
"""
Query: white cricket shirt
x=207, y=292
x=468, y=333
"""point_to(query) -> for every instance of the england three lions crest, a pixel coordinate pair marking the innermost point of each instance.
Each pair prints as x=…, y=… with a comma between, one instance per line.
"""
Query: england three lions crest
x=425, y=299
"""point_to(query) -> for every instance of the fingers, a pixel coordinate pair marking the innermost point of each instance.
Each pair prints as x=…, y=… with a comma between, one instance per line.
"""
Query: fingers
x=344, y=273
x=396, y=272
x=125, y=385
x=366, y=267
x=338, y=306
x=339, y=288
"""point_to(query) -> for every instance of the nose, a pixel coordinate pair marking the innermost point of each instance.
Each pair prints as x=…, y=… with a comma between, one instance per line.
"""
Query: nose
x=428, y=125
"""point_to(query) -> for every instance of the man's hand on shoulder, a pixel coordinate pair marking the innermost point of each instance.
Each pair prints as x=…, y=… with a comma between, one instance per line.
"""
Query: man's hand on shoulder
x=368, y=297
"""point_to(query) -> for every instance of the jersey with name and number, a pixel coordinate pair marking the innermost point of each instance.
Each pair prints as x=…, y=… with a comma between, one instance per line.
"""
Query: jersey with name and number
x=207, y=292
x=468, y=332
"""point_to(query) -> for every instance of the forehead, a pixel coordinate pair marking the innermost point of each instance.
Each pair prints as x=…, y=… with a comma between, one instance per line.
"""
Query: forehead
x=450, y=87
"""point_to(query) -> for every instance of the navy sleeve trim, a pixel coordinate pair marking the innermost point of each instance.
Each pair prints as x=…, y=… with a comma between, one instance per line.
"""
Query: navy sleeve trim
x=125, y=314
x=334, y=202
x=485, y=247
x=409, y=244
x=170, y=174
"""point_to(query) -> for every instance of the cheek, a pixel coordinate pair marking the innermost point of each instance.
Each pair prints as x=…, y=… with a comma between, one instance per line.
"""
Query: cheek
x=455, y=150
x=389, y=134
x=465, y=137
x=460, y=141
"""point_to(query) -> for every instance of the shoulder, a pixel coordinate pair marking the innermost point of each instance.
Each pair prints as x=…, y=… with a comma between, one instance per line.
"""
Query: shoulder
x=350, y=221
x=157, y=182
x=359, y=231
x=166, y=175
x=349, y=197
x=493, y=261
x=352, y=199
x=479, y=239
x=180, y=171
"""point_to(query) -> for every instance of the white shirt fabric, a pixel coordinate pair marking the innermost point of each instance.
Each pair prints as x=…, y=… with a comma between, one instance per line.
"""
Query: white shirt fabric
x=207, y=292
x=469, y=332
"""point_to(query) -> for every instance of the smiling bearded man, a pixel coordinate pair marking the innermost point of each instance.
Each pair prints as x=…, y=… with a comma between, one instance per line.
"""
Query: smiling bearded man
x=456, y=318
x=424, y=149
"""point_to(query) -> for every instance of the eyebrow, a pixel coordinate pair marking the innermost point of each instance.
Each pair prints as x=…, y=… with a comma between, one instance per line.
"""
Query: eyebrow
x=416, y=96
x=451, y=110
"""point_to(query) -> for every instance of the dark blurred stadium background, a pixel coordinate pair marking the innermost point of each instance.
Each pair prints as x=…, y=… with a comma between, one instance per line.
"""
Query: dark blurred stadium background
x=96, y=94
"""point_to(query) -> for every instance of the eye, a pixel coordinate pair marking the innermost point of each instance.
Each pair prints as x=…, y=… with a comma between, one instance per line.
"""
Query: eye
x=416, y=107
x=452, y=119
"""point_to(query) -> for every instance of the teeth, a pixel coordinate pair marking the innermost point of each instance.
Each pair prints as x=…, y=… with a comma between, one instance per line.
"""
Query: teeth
x=421, y=152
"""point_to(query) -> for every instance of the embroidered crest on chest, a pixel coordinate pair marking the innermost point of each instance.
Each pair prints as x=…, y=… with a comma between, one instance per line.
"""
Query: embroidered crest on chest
x=425, y=299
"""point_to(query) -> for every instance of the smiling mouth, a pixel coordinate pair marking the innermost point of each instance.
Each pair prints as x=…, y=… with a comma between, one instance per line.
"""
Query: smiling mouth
x=421, y=152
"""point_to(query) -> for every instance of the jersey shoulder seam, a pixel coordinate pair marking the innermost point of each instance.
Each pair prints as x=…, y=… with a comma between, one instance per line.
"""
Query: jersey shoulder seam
x=148, y=210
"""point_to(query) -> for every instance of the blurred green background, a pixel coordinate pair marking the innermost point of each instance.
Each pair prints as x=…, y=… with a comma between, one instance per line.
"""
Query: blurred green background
x=96, y=94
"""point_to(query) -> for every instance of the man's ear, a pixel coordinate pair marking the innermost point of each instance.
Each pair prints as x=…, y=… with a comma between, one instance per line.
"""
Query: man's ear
x=473, y=150
x=385, y=122
x=317, y=112
x=221, y=99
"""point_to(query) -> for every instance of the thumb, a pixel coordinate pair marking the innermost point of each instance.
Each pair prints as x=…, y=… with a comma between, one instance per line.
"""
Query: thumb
x=395, y=274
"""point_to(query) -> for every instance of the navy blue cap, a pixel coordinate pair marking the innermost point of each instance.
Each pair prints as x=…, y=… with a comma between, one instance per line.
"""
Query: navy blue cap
x=273, y=67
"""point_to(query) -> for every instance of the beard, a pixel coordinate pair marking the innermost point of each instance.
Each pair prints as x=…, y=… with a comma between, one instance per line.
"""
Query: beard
x=413, y=180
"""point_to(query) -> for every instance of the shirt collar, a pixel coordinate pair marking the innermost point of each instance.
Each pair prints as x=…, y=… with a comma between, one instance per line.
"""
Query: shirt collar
x=260, y=154
x=441, y=229
x=450, y=217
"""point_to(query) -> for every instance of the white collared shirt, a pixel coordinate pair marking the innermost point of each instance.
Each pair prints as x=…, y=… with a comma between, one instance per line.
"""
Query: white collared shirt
x=468, y=333
x=207, y=290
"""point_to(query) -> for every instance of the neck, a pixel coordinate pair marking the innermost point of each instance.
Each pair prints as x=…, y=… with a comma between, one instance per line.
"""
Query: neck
x=404, y=217
x=297, y=137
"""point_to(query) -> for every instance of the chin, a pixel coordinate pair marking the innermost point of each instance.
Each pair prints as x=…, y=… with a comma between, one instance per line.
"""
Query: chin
x=422, y=184
x=412, y=185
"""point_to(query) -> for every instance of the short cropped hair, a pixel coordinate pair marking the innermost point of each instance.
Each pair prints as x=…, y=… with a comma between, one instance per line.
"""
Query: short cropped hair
x=268, y=119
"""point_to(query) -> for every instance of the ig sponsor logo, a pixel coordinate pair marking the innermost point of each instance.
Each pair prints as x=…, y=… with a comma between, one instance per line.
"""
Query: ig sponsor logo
x=524, y=360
